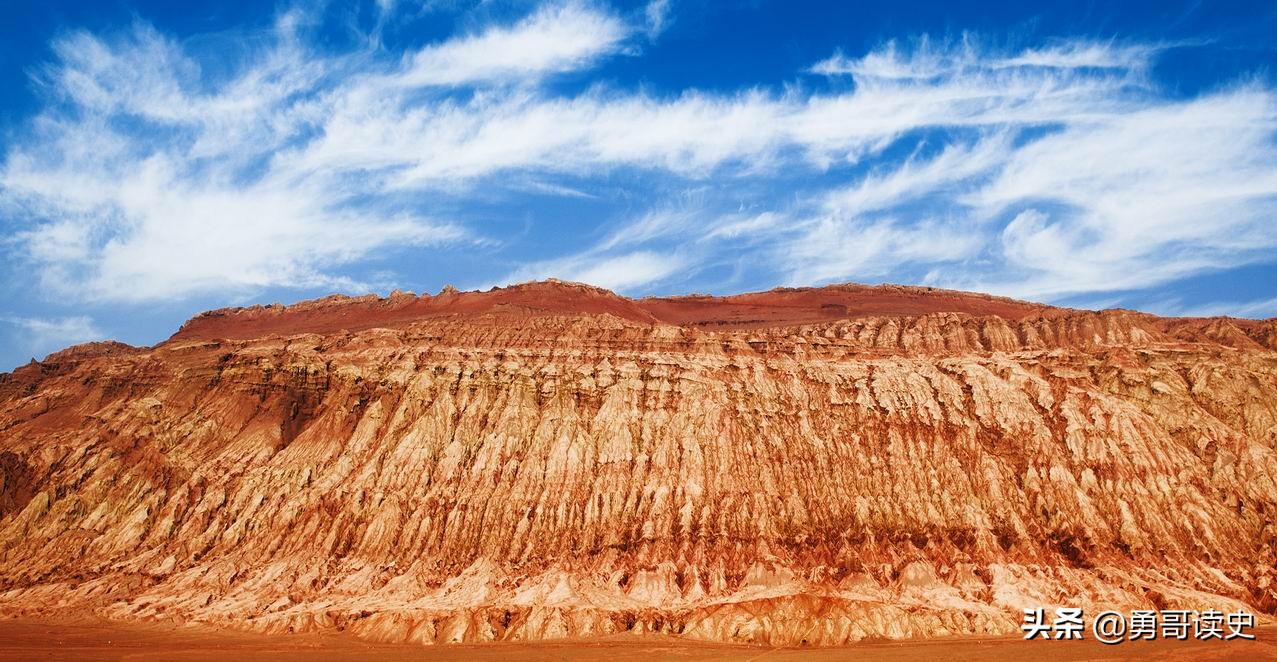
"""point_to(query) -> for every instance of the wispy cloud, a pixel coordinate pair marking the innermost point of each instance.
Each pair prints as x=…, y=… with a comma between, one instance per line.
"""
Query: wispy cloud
x=554, y=39
x=623, y=259
x=1263, y=308
x=40, y=336
x=1052, y=171
x=927, y=59
x=1144, y=197
x=657, y=13
x=621, y=272
x=1128, y=193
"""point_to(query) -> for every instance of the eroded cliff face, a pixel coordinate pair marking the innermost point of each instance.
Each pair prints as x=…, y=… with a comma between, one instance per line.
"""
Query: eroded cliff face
x=512, y=470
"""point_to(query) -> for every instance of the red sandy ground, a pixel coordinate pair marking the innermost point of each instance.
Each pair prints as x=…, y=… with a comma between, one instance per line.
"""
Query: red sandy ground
x=95, y=641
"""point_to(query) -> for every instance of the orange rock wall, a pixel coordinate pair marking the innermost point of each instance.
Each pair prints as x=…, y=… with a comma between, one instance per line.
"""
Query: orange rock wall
x=505, y=475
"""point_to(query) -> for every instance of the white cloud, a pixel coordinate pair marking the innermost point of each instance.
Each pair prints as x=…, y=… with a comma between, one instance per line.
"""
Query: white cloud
x=657, y=13
x=1083, y=54
x=620, y=260
x=744, y=226
x=554, y=39
x=1264, y=308
x=1140, y=198
x=43, y=335
x=1124, y=194
x=141, y=187
x=957, y=165
x=832, y=247
x=928, y=60
x=1046, y=172
x=620, y=272
x=624, y=272
x=693, y=135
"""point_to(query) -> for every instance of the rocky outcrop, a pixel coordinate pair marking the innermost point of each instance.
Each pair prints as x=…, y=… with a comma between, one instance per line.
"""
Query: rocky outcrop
x=554, y=460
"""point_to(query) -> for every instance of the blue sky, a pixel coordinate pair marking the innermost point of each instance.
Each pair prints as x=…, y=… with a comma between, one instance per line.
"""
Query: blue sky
x=158, y=158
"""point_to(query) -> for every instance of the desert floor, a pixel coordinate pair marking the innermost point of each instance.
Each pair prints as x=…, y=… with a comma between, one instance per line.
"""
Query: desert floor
x=85, y=640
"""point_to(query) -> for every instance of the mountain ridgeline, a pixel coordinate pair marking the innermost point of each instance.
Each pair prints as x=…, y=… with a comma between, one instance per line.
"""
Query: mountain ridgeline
x=550, y=460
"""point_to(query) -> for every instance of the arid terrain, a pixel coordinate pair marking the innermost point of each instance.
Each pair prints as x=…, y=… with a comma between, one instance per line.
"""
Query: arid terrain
x=551, y=461
x=89, y=641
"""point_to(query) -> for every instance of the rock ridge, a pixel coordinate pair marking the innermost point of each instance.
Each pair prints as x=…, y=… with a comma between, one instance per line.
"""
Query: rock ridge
x=552, y=460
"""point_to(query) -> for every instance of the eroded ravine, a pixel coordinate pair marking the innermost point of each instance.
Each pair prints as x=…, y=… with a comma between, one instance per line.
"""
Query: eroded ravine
x=521, y=472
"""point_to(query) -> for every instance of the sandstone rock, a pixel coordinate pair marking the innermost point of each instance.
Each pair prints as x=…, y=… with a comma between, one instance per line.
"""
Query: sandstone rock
x=797, y=466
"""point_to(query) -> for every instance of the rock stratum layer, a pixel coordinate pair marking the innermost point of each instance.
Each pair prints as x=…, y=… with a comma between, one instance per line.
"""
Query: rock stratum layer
x=547, y=460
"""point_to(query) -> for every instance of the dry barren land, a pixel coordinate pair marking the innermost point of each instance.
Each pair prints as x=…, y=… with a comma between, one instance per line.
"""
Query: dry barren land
x=811, y=467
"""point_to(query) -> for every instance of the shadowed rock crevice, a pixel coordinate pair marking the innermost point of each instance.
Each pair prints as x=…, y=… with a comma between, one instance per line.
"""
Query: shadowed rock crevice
x=17, y=483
